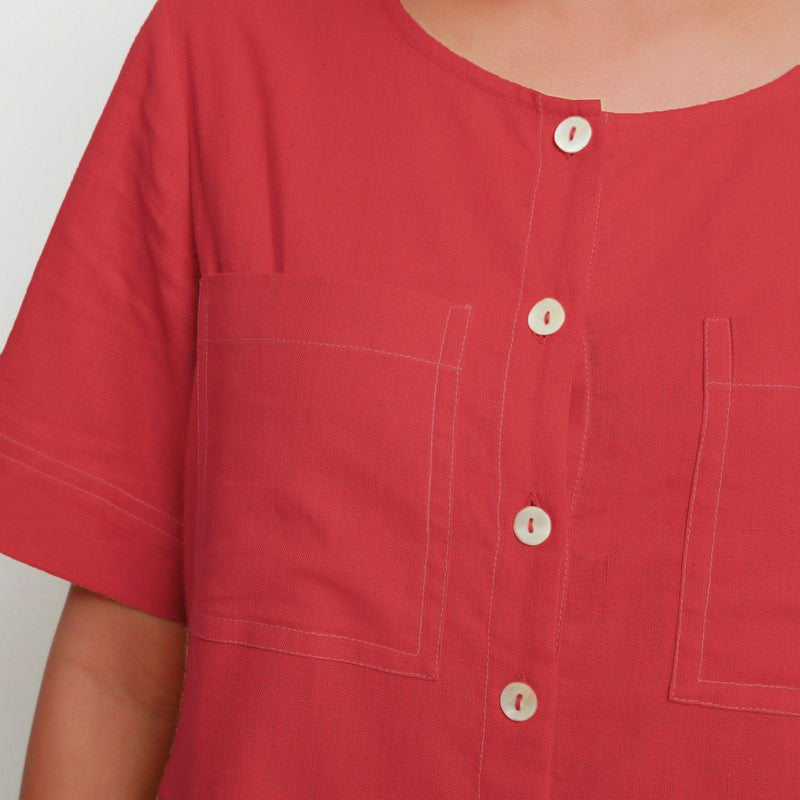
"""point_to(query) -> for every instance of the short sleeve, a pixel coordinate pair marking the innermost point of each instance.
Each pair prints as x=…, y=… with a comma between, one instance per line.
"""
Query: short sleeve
x=96, y=374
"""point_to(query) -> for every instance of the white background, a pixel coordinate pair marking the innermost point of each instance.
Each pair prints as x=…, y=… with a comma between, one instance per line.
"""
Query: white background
x=58, y=63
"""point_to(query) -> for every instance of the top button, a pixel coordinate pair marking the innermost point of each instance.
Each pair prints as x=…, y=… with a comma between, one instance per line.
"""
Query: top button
x=573, y=134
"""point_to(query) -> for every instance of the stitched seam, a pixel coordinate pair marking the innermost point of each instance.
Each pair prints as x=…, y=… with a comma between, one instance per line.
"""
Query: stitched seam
x=430, y=490
x=763, y=385
x=430, y=478
x=450, y=487
x=695, y=482
x=92, y=494
x=307, y=632
x=716, y=505
x=705, y=422
x=427, y=546
x=89, y=475
x=567, y=536
x=333, y=344
x=587, y=417
x=719, y=488
x=499, y=462
x=574, y=495
x=735, y=708
x=311, y=655
x=757, y=685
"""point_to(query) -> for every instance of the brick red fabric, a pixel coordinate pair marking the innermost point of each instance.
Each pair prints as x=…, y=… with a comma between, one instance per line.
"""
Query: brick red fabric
x=273, y=377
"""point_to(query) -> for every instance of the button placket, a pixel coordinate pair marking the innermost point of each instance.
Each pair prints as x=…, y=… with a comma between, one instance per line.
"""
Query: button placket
x=532, y=524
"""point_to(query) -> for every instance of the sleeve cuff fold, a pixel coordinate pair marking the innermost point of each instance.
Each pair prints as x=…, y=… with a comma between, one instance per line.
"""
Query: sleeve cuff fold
x=79, y=528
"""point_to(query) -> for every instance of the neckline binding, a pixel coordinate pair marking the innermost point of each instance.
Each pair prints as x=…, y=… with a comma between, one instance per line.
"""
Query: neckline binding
x=756, y=97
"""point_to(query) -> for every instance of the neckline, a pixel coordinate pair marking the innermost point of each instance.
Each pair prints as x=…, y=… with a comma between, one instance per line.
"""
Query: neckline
x=756, y=97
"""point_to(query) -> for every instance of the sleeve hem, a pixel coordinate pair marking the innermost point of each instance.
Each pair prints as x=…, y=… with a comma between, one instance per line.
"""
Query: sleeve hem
x=78, y=528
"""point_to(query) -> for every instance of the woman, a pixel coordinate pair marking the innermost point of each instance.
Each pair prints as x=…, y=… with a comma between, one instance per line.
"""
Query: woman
x=434, y=366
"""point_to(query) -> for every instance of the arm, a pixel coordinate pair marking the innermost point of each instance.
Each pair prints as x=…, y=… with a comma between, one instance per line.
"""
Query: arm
x=108, y=704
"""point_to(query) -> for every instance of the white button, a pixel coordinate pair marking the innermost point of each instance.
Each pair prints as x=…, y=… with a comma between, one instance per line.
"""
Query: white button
x=573, y=134
x=518, y=701
x=546, y=316
x=532, y=525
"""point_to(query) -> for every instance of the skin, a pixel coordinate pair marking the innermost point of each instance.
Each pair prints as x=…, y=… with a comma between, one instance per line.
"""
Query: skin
x=634, y=55
x=108, y=703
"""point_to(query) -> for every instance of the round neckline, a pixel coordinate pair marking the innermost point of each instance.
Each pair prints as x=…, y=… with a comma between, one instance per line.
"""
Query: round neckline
x=507, y=89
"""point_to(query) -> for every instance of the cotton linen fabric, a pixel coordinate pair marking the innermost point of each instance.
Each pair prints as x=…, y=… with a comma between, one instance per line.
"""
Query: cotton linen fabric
x=273, y=377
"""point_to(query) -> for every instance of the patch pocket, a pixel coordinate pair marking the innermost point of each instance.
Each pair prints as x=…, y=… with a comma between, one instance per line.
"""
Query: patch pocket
x=738, y=639
x=327, y=422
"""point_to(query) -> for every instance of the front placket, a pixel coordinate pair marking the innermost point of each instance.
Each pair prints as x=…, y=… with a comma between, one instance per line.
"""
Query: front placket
x=541, y=436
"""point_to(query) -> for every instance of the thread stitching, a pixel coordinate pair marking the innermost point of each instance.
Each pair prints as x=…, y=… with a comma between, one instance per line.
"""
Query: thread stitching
x=499, y=461
x=89, y=475
x=334, y=344
x=706, y=415
x=92, y=494
x=716, y=503
x=434, y=414
x=311, y=655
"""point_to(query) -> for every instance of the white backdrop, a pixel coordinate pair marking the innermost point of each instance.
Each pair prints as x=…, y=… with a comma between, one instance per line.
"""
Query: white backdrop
x=58, y=63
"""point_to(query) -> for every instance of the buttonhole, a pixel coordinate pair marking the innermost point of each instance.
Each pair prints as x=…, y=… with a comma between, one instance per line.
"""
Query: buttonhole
x=547, y=317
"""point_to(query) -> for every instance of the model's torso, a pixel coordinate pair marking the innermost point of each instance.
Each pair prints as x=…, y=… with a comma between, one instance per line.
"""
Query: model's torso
x=668, y=55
